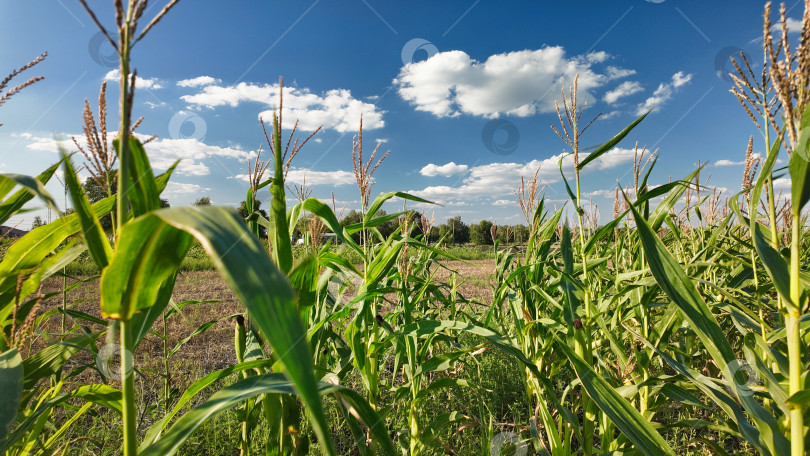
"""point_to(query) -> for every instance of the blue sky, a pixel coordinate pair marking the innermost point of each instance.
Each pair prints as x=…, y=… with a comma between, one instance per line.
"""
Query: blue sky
x=432, y=80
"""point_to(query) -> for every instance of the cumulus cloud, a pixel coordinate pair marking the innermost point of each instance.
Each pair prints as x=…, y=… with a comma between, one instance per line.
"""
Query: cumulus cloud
x=618, y=73
x=663, y=93
x=624, y=89
x=519, y=83
x=199, y=81
x=297, y=176
x=783, y=183
x=162, y=152
x=179, y=189
x=497, y=180
x=445, y=170
x=140, y=83
x=335, y=109
x=725, y=162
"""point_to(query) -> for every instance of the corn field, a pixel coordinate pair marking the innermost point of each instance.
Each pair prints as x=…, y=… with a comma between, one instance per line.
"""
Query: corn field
x=680, y=326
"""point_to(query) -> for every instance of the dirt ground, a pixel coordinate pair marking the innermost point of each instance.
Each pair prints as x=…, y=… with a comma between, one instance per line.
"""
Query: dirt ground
x=213, y=349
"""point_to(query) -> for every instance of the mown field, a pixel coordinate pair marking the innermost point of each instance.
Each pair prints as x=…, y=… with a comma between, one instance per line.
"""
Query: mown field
x=678, y=325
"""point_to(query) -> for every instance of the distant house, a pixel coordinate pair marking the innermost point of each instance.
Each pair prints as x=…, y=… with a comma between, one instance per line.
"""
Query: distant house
x=7, y=231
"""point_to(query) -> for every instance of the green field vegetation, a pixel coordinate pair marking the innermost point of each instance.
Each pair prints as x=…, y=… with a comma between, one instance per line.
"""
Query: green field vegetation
x=678, y=327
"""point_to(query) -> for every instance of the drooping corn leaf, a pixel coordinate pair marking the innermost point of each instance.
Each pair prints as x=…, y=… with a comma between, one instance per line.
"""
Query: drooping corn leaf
x=11, y=384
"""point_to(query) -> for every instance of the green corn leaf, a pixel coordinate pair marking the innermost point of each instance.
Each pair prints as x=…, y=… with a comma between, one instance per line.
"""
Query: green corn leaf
x=11, y=383
x=567, y=284
x=799, y=167
x=383, y=197
x=570, y=192
x=260, y=286
x=30, y=250
x=680, y=289
x=621, y=413
x=16, y=201
x=775, y=264
x=143, y=192
x=34, y=186
x=429, y=327
x=148, y=254
x=97, y=243
x=191, y=392
x=279, y=235
x=223, y=400
x=50, y=360
x=612, y=143
x=369, y=417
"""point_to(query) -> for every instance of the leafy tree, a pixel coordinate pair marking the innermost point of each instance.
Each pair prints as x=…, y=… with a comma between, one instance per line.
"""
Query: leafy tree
x=456, y=230
x=480, y=233
x=37, y=222
x=96, y=193
x=164, y=203
x=522, y=234
x=203, y=201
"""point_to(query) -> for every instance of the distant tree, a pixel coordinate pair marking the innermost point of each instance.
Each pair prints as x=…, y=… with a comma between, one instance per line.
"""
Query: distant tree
x=455, y=231
x=96, y=193
x=164, y=203
x=257, y=206
x=480, y=233
x=203, y=201
x=522, y=234
x=37, y=222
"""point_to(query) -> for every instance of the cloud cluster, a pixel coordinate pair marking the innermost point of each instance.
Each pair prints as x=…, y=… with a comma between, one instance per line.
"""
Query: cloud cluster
x=192, y=153
x=520, y=83
x=663, y=93
x=445, y=170
x=335, y=109
x=140, y=83
x=498, y=180
x=199, y=81
x=298, y=176
x=624, y=89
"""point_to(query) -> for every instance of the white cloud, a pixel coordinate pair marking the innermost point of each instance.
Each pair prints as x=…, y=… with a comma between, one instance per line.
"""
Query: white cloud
x=498, y=180
x=618, y=73
x=663, y=93
x=178, y=188
x=199, y=81
x=446, y=170
x=725, y=162
x=191, y=153
x=519, y=83
x=140, y=83
x=162, y=152
x=297, y=176
x=783, y=183
x=336, y=109
x=624, y=89
x=504, y=202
